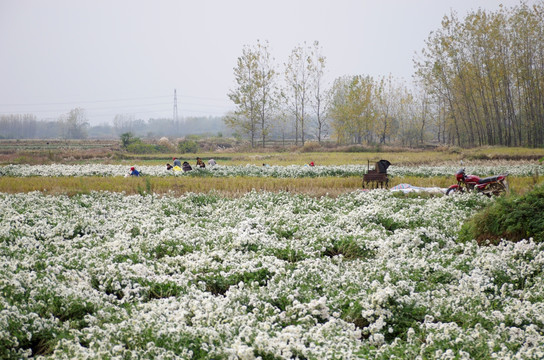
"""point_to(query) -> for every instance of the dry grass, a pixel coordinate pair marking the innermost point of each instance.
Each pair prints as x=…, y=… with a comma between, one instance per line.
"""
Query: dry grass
x=298, y=157
x=229, y=186
x=37, y=152
x=234, y=186
x=108, y=151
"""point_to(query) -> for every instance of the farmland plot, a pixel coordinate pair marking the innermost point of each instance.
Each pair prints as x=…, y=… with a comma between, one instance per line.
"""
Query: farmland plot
x=275, y=276
x=291, y=171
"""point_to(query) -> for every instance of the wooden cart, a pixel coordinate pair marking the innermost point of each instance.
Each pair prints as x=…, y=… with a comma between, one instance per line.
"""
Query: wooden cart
x=377, y=178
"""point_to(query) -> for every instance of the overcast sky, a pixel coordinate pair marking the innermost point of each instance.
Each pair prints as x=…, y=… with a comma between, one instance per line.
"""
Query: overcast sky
x=126, y=57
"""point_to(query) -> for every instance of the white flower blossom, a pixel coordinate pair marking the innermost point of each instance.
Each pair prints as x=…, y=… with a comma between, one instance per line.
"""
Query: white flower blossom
x=363, y=275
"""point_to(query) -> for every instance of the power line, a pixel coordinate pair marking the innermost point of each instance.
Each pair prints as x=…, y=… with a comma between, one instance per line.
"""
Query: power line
x=86, y=101
x=128, y=107
x=87, y=108
x=111, y=107
x=204, y=98
x=111, y=100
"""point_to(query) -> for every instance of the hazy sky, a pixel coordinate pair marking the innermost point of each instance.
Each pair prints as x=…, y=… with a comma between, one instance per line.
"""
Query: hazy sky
x=126, y=57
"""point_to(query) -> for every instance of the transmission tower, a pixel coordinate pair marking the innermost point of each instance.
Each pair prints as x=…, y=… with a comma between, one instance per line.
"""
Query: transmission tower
x=176, y=111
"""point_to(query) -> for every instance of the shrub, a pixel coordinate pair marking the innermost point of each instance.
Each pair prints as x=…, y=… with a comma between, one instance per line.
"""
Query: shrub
x=514, y=218
x=165, y=144
x=163, y=149
x=310, y=146
x=455, y=150
x=128, y=139
x=142, y=148
x=188, y=146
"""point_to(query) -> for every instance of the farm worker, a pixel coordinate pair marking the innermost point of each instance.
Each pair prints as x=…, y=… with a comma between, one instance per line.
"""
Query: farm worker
x=169, y=167
x=200, y=163
x=312, y=163
x=177, y=162
x=134, y=172
x=211, y=162
x=186, y=166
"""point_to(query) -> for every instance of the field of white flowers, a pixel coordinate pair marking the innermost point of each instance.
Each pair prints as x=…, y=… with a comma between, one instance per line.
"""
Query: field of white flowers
x=268, y=275
x=291, y=171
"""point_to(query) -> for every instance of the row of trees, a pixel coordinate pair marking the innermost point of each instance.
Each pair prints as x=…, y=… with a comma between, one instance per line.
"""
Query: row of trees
x=479, y=81
x=123, y=123
x=362, y=109
x=74, y=125
x=485, y=77
x=297, y=102
x=268, y=100
x=18, y=126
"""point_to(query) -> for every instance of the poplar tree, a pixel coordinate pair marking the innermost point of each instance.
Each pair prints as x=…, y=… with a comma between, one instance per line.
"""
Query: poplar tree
x=244, y=96
x=352, y=110
x=74, y=124
x=254, y=94
x=267, y=92
x=298, y=77
x=320, y=100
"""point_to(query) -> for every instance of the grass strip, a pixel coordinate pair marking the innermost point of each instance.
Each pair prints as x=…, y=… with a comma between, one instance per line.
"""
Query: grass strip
x=231, y=186
x=160, y=185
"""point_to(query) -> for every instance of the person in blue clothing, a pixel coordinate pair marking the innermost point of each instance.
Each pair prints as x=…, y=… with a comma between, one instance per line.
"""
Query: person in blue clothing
x=134, y=172
x=177, y=162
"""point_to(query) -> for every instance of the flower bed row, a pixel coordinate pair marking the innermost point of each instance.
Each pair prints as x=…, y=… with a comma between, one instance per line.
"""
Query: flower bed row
x=291, y=171
x=364, y=275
